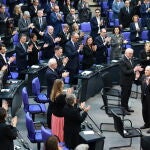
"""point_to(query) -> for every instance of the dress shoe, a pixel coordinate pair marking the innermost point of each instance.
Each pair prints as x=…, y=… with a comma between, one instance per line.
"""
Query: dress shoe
x=144, y=127
x=130, y=110
x=127, y=113
x=148, y=131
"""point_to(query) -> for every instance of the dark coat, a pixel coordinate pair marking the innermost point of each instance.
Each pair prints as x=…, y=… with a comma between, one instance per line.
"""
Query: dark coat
x=101, y=52
x=94, y=26
x=73, y=55
x=72, y=123
x=48, y=52
x=51, y=76
x=125, y=18
x=133, y=31
x=56, y=23
x=21, y=57
x=7, y=135
x=88, y=57
x=33, y=56
x=126, y=72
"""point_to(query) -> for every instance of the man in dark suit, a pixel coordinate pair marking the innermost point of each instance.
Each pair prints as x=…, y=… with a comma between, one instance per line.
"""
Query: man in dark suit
x=102, y=43
x=3, y=18
x=52, y=74
x=61, y=60
x=5, y=62
x=24, y=24
x=34, y=8
x=56, y=19
x=127, y=76
x=145, y=12
x=72, y=17
x=51, y=41
x=97, y=23
x=40, y=24
x=125, y=15
x=64, y=35
x=145, y=96
x=22, y=50
x=7, y=132
x=72, y=50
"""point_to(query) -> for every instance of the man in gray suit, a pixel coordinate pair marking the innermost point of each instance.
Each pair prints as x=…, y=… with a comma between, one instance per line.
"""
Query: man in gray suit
x=25, y=24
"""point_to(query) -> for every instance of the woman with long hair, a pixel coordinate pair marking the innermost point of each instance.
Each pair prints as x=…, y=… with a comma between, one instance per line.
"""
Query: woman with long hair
x=58, y=102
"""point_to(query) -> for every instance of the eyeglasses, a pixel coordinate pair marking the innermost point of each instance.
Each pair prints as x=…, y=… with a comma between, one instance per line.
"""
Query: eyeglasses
x=97, y=12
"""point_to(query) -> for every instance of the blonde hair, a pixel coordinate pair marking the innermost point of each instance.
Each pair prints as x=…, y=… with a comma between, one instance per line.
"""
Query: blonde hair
x=57, y=89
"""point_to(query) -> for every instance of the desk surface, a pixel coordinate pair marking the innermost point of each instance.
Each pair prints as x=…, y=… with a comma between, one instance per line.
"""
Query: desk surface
x=10, y=89
x=91, y=137
x=35, y=69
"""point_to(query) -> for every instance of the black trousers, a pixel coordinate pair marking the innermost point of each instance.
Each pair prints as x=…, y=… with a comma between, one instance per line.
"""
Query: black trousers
x=146, y=110
x=145, y=142
x=125, y=94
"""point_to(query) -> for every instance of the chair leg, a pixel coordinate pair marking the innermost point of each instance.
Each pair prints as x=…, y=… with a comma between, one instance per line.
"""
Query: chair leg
x=122, y=146
x=38, y=146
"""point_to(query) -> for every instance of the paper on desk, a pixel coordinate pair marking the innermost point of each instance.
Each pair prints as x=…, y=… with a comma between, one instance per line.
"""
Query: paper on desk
x=88, y=132
x=35, y=66
x=5, y=90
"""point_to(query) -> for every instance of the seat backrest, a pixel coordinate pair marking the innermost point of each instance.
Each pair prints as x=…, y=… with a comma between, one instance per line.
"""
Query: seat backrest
x=46, y=133
x=106, y=78
x=30, y=127
x=118, y=123
x=126, y=36
x=36, y=86
x=145, y=35
x=110, y=16
x=85, y=27
x=25, y=99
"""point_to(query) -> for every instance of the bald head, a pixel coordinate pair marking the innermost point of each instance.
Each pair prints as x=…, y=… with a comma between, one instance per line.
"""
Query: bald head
x=129, y=52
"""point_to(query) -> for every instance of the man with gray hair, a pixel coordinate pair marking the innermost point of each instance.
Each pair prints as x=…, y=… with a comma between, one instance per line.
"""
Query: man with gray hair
x=25, y=24
x=127, y=76
x=52, y=74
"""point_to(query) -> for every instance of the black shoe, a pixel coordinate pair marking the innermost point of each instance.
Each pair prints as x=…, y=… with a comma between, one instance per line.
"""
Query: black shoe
x=127, y=113
x=130, y=110
x=148, y=131
x=144, y=127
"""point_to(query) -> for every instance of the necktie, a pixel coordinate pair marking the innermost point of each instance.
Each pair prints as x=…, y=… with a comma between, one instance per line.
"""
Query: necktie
x=40, y=21
x=130, y=62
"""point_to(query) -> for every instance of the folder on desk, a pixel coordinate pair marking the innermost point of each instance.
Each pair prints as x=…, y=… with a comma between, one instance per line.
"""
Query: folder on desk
x=35, y=66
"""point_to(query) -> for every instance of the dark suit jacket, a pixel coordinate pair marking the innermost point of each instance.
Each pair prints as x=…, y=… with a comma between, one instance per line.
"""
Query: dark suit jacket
x=101, y=52
x=51, y=76
x=70, y=20
x=7, y=135
x=66, y=11
x=126, y=72
x=72, y=123
x=64, y=40
x=88, y=57
x=7, y=72
x=37, y=24
x=33, y=12
x=60, y=66
x=33, y=56
x=133, y=31
x=21, y=57
x=56, y=23
x=73, y=55
x=94, y=26
x=3, y=16
x=48, y=52
x=125, y=18
x=143, y=58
